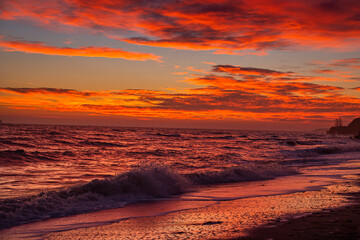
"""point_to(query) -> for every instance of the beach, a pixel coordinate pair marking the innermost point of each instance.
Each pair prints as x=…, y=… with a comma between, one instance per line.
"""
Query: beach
x=340, y=223
x=331, y=212
x=233, y=219
x=195, y=184
x=171, y=119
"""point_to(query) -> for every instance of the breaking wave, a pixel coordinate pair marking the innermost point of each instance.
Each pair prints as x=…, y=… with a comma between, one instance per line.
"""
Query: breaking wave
x=323, y=150
x=246, y=172
x=139, y=184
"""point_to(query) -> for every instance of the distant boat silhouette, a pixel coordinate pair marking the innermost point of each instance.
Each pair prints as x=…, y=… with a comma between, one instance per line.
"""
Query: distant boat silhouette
x=352, y=129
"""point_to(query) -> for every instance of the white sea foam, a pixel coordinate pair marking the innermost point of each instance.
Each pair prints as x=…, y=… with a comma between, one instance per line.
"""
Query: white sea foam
x=142, y=183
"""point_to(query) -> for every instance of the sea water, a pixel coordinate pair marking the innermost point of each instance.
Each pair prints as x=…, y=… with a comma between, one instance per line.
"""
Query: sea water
x=56, y=171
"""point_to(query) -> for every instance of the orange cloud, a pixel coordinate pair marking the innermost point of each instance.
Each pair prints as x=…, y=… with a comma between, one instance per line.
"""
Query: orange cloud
x=213, y=97
x=224, y=26
x=180, y=73
x=346, y=70
x=241, y=53
x=41, y=48
x=249, y=71
x=325, y=71
x=50, y=91
x=209, y=63
x=348, y=62
x=190, y=68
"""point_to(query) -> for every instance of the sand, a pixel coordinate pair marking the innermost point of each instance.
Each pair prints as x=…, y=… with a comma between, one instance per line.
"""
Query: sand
x=234, y=219
x=342, y=223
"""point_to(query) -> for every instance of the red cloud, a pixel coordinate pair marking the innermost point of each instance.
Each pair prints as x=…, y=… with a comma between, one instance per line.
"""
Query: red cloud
x=346, y=70
x=50, y=91
x=232, y=96
x=265, y=88
x=41, y=48
x=249, y=71
x=325, y=71
x=205, y=25
x=348, y=62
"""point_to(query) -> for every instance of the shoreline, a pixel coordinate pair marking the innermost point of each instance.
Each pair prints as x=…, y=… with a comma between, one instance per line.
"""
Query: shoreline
x=338, y=223
x=225, y=220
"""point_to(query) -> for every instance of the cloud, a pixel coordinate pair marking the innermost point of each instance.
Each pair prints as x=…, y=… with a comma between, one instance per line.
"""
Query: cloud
x=180, y=73
x=346, y=70
x=51, y=91
x=249, y=71
x=263, y=87
x=212, y=96
x=209, y=63
x=41, y=48
x=190, y=68
x=348, y=62
x=263, y=74
x=325, y=71
x=227, y=27
x=241, y=53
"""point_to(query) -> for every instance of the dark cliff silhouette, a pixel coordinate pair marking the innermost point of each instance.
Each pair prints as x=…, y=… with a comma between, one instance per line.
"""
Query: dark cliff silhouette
x=352, y=129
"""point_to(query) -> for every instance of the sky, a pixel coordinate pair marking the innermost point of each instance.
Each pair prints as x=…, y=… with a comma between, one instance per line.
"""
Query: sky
x=245, y=64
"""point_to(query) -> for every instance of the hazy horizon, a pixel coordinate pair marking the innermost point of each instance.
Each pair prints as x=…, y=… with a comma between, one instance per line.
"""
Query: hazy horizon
x=217, y=126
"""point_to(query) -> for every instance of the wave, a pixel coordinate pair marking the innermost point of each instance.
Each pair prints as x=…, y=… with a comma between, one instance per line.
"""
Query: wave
x=290, y=142
x=139, y=184
x=155, y=152
x=21, y=156
x=246, y=172
x=68, y=153
x=101, y=144
x=309, y=142
x=53, y=133
x=27, y=139
x=227, y=137
x=62, y=142
x=10, y=142
x=12, y=155
x=232, y=147
x=324, y=150
x=175, y=135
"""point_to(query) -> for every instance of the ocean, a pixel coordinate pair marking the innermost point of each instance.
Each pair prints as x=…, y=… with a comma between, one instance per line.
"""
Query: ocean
x=58, y=171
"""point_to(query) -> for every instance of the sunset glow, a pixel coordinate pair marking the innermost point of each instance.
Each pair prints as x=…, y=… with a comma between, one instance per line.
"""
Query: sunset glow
x=179, y=119
x=180, y=60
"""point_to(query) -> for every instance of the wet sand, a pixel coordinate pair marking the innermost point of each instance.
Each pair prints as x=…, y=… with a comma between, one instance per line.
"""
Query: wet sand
x=341, y=223
x=230, y=219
